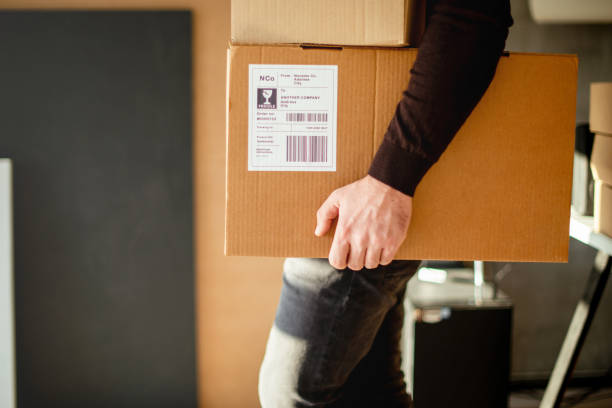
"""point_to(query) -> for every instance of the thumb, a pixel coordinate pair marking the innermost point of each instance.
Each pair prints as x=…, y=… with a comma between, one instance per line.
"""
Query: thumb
x=326, y=214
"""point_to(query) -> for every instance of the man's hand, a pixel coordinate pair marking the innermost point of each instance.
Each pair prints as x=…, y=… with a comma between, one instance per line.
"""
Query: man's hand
x=373, y=219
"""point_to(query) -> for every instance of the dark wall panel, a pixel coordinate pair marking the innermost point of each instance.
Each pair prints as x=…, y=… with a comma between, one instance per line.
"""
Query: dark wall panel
x=95, y=111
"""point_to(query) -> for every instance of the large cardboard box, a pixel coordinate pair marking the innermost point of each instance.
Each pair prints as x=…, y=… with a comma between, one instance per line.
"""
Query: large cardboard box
x=600, y=112
x=348, y=22
x=501, y=191
x=603, y=208
x=601, y=158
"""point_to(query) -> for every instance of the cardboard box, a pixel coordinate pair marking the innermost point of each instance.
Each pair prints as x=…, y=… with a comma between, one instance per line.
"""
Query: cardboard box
x=600, y=113
x=601, y=158
x=345, y=22
x=500, y=192
x=603, y=208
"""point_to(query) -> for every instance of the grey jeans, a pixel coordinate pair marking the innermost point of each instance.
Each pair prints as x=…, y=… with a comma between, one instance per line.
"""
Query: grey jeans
x=335, y=339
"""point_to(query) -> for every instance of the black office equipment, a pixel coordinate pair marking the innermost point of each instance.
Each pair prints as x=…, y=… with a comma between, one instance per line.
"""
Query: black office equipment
x=457, y=341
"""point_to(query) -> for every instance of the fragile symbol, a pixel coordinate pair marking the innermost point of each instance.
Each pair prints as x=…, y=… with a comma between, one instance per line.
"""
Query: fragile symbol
x=266, y=98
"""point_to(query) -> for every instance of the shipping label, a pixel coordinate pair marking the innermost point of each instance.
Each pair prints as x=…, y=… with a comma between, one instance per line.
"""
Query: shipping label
x=292, y=117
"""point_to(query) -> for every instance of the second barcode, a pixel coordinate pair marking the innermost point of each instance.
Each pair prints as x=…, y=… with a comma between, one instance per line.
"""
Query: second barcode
x=308, y=149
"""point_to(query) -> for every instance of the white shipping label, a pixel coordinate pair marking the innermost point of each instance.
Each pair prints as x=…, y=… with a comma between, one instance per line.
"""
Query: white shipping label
x=292, y=117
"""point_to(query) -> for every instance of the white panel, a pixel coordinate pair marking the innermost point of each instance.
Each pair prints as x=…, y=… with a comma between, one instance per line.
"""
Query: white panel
x=7, y=334
x=571, y=11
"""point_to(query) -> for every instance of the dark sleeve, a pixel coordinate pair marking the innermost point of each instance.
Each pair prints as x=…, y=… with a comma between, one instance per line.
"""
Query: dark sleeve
x=455, y=64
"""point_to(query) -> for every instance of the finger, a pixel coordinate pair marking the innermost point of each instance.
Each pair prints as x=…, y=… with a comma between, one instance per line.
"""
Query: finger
x=356, y=258
x=387, y=255
x=326, y=214
x=338, y=253
x=372, y=258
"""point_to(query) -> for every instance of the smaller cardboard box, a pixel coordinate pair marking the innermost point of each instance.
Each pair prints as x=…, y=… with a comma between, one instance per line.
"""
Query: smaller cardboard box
x=603, y=208
x=344, y=22
x=601, y=158
x=600, y=114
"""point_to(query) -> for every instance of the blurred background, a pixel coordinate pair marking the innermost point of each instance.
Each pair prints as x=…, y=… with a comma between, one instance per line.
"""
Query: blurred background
x=113, y=115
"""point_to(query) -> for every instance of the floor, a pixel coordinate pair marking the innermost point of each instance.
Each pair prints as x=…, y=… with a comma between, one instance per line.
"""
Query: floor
x=531, y=399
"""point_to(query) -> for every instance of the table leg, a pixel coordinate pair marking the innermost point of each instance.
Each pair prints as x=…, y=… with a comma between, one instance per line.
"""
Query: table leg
x=577, y=332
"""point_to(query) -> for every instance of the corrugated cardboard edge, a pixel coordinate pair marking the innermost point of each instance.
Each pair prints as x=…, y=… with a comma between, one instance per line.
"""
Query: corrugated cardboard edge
x=565, y=258
x=322, y=45
x=375, y=106
x=408, y=4
x=227, y=111
x=317, y=45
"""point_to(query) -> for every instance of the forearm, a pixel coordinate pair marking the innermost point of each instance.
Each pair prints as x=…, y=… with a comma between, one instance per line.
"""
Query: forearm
x=455, y=65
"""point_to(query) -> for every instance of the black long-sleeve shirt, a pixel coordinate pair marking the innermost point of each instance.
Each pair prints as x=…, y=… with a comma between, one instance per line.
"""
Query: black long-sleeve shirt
x=455, y=64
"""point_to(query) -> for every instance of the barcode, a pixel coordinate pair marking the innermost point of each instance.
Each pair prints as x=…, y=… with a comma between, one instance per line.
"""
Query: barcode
x=306, y=149
x=305, y=117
